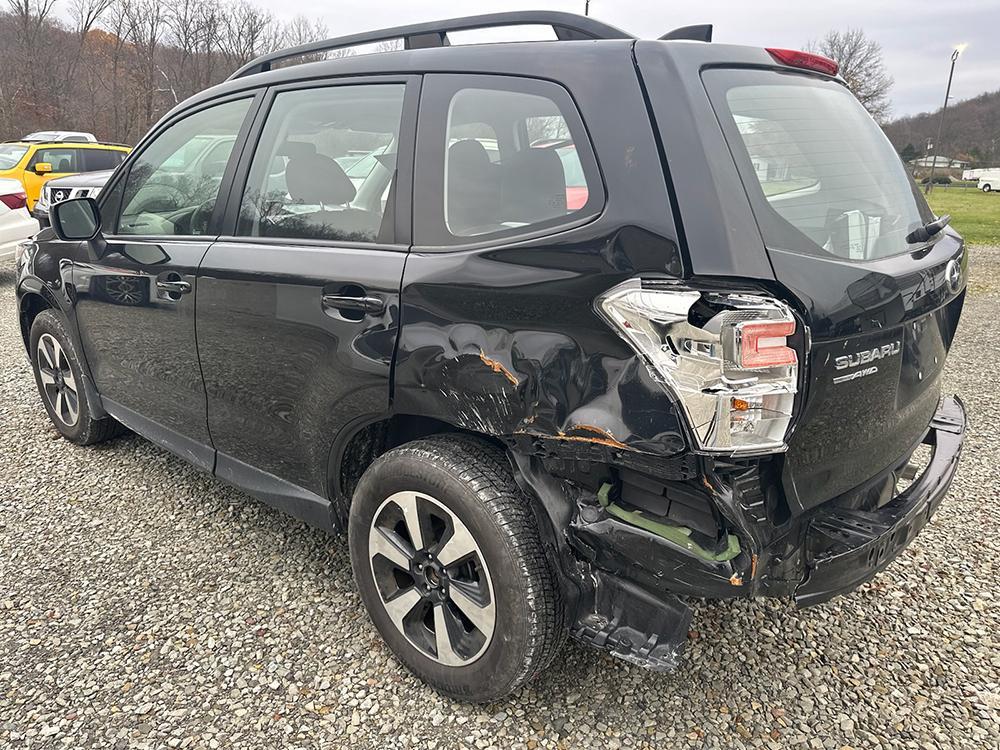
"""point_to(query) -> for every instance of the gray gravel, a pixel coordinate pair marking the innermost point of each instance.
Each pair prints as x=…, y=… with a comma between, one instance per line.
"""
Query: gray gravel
x=144, y=604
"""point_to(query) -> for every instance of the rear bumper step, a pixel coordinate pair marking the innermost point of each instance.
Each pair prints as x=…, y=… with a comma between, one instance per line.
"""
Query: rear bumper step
x=845, y=548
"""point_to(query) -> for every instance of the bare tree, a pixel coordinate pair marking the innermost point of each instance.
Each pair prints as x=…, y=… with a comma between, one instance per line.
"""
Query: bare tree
x=861, y=66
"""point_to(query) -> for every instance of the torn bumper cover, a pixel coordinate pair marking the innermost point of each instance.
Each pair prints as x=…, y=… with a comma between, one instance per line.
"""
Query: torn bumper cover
x=845, y=548
x=630, y=577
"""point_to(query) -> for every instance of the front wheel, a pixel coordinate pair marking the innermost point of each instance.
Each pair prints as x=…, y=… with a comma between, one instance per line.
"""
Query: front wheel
x=59, y=378
x=450, y=565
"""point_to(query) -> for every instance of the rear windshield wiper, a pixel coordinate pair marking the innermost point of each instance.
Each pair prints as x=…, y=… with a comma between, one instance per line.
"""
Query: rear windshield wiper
x=928, y=230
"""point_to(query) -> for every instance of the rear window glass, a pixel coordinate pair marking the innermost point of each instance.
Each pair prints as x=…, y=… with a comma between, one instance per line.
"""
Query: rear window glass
x=821, y=175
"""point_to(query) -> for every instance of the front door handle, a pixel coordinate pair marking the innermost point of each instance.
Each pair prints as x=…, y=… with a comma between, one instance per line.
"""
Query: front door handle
x=368, y=305
x=173, y=287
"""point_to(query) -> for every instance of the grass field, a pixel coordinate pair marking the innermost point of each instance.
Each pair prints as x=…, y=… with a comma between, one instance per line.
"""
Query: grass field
x=975, y=214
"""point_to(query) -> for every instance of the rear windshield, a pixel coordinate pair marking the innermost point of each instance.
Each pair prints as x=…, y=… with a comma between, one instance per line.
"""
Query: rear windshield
x=821, y=175
x=11, y=154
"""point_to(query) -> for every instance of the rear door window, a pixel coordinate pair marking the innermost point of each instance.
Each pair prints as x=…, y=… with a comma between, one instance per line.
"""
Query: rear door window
x=306, y=180
x=820, y=174
x=96, y=159
x=514, y=160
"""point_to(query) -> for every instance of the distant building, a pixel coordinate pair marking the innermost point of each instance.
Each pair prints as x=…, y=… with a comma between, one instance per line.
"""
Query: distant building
x=940, y=162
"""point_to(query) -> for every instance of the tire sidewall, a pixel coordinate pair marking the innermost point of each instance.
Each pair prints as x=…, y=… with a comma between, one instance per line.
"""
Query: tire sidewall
x=503, y=663
x=49, y=322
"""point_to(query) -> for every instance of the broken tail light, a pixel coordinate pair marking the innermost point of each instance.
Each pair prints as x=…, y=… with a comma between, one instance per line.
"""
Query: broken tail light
x=730, y=366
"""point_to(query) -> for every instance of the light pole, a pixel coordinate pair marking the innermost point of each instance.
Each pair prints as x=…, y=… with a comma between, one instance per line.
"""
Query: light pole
x=586, y=8
x=947, y=95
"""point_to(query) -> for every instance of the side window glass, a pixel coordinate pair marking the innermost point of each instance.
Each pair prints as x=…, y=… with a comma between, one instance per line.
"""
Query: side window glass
x=172, y=186
x=61, y=159
x=324, y=164
x=510, y=162
x=96, y=159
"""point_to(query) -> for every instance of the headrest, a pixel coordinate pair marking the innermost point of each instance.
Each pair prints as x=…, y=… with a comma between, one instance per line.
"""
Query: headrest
x=534, y=186
x=468, y=155
x=293, y=149
x=318, y=179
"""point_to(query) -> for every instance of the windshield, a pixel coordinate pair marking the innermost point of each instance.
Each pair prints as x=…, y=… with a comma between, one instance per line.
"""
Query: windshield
x=820, y=173
x=11, y=154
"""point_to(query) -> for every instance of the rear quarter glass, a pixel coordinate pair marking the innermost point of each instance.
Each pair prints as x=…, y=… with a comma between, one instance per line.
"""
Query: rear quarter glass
x=821, y=176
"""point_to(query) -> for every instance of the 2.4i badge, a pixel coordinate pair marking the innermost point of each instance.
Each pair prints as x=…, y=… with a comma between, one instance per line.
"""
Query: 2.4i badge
x=864, y=357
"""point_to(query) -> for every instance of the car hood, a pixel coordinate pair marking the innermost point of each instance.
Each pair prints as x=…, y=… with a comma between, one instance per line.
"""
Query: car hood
x=84, y=179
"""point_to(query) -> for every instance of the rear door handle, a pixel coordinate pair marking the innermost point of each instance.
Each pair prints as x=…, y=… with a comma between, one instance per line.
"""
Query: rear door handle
x=368, y=305
x=174, y=287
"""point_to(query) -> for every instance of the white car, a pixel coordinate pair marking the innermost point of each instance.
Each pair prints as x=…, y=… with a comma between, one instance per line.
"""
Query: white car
x=61, y=136
x=16, y=223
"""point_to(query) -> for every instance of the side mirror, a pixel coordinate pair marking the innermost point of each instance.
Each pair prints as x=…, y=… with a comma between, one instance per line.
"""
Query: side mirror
x=75, y=220
x=42, y=167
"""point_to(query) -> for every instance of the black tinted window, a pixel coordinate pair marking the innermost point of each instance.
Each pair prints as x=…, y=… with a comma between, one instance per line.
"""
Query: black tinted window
x=324, y=164
x=96, y=160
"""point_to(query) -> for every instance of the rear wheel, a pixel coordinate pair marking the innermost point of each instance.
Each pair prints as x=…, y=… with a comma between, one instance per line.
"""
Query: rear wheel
x=451, y=568
x=59, y=378
x=987, y=188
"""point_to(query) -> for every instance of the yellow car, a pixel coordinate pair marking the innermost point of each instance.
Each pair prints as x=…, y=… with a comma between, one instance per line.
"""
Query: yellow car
x=35, y=163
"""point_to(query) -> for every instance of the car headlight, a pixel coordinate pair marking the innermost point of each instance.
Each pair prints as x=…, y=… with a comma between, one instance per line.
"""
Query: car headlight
x=724, y=357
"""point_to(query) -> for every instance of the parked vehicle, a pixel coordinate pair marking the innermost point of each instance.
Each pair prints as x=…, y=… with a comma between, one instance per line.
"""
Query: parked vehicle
x=16, y=224
x=717, y=376
x=63, y=188
x=61, y=136
x=34, y=163
x=989, y=180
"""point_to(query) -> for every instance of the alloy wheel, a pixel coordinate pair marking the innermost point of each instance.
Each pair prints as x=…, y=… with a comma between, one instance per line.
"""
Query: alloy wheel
x=432, y=578
x=58, y=382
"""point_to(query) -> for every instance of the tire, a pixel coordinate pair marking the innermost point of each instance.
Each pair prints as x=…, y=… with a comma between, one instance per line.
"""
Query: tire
x=456, y=484
x=57, y=369
x=987, y=188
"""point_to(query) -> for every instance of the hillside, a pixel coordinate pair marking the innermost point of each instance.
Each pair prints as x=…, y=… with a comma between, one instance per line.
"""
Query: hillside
x=972, y=130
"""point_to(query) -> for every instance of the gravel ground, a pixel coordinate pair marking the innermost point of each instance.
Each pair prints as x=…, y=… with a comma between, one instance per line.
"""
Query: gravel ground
x=144, y=604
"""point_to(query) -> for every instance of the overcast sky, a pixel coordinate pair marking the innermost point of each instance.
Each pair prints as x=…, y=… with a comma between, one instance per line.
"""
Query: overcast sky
x=917, y=36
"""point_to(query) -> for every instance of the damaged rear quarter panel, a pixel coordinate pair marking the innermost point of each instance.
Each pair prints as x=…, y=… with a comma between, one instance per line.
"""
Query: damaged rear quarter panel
x=506, y=342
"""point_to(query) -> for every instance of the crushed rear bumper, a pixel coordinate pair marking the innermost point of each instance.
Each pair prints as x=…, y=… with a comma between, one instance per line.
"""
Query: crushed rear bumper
x=845, y=548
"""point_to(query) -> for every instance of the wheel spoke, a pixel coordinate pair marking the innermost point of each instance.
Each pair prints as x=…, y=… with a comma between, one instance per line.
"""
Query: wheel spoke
x=442, y=638
x=407, y=502
x=60, y=358
x=72, y=406
x=482, y=616
x=59, y=406
x=68, y=380
x=46, y=375
x=45, y=350
x=460, y=544
x=389, y=546
x=401, y=605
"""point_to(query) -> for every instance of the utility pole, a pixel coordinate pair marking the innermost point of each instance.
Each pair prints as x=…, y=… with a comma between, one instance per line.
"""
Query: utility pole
x=586, y=8
x=947, y=95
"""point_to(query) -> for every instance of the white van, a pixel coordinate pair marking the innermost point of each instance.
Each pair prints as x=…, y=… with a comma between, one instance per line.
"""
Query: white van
x=989, y=180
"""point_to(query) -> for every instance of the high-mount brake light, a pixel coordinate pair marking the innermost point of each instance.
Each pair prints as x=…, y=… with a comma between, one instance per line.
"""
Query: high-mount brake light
x=729, y=367
x=806, y=60
x=763, y=344
x=14, y=201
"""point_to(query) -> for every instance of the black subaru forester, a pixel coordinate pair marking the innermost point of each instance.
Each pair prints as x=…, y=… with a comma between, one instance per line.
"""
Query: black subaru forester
x=559, y=332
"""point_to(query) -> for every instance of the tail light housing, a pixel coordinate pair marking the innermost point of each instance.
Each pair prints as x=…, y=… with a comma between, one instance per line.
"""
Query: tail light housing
x=730, y=366
x=805, y=60
x=14, y=201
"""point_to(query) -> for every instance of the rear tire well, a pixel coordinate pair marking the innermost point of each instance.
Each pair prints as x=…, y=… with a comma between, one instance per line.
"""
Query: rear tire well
x=371, y=441
x=31, y=305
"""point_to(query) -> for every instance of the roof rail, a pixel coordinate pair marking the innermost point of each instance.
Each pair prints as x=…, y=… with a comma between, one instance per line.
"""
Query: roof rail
x=567, y=27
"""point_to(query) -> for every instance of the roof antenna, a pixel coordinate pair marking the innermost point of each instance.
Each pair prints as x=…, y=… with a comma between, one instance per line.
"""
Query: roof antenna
x=701, y=32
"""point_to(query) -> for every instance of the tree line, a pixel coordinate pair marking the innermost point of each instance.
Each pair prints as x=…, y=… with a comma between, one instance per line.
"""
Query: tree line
x=114, y=67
